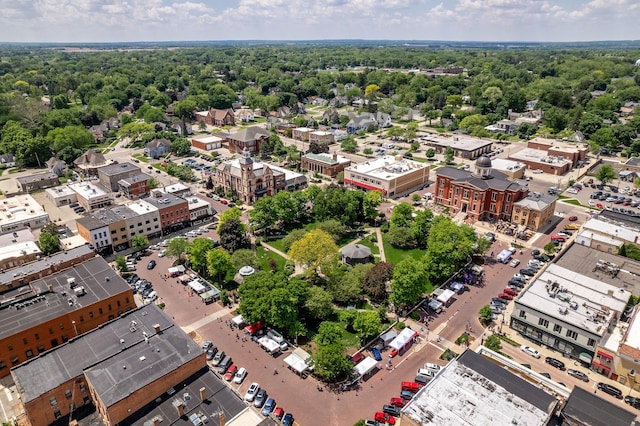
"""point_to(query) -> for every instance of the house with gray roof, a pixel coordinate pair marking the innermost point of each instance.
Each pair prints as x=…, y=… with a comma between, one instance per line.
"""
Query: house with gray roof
x=249, y=138
x=157, y=148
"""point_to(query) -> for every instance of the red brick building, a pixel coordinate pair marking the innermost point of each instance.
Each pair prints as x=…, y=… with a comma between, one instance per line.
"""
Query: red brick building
x=217, y=117
x=324, y=163
x=483, y=194
x=173, y=210
x=136, y=186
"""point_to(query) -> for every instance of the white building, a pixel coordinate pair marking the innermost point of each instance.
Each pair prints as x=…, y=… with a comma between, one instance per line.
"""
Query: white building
x=92, y=196
x=393, y=176
x=568, y=311
x=147, y=221
x=606, y=236
x=95, y=231
x=21, y=211
x=199, y=209
x=61, y=195
x=178, y=189
x=17, y=247
x=472, y=390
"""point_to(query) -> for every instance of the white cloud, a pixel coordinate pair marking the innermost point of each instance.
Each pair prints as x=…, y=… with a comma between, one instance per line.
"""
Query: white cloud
x=132, y=20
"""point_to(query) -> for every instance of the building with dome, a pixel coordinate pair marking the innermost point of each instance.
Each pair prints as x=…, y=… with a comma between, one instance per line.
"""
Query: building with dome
x=481, y=194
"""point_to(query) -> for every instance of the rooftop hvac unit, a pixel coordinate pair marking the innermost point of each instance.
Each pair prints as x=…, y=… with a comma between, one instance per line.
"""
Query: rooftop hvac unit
x=563, y=311
x=71, y=282
x=79, y=291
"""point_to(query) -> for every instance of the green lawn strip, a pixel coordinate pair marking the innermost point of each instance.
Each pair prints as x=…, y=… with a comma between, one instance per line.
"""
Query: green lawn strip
x=394, y=255
x=141, y=157
x=265, y=256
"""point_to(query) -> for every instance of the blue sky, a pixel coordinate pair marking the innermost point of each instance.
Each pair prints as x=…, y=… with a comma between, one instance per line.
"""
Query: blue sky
x=169, y=20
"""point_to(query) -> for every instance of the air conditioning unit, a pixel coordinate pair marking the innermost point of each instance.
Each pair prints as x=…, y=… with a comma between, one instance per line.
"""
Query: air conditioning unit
x=632, y=373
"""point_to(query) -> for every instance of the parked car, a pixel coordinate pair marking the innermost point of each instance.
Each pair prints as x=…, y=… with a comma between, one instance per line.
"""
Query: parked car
x=268, y=406
x=211, y=352
x=231, y=372
x=578, y=375
x=632, y=401
x=528, y=271
x=384, y=418
x=260, y=399
x=407, y=395
x=555, y=363
x=287, y=420
x=240, y=375
x=514, y=263
x=398, y=402
x=510, y=291
x=520, y=277
x=529, y=350
x=392, y=410
x=611, y=390
x=278, y=413
x=206, y=345
x=216, y=359
x=433, y=367
x=151, y=264
x=251, y=392
x=505, y=296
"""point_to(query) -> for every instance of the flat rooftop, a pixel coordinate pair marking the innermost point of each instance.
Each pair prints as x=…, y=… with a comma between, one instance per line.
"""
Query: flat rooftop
x=219, y=398
x=532, y=155
x=591, y=409
x=172, y=189
x=89, y=190
x=472, y=390
x=18, y=249
x=464, y=143
x=164, y=200
x=612, y=269
x=116, y=169
x=328, y=158
x=27, y=306
x=115, y=214
x=387, y=168
x=575, y=299
x=37, y=177
x=197, y=203
x=58, y=365
x=606, y=227
x=141, y=207
x=60, y=191
x=505, y=165
x=140, y=177
x=20, y=208
x=37, y=266
x=207, y=139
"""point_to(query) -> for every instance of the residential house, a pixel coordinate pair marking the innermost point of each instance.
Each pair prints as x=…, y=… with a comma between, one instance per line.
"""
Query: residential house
x=331, y=115
x=59, y=167
x=157, y=148
x=245, y=115
x=8, y=161
x=361, y=123
x=217, y=117
x=90, y=162
x=99, y=131
x=382, y=119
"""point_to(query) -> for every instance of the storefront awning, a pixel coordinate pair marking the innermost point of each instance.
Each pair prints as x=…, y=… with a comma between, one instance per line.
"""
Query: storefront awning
x=604, y=367
x=585, y=357
x=604, y=355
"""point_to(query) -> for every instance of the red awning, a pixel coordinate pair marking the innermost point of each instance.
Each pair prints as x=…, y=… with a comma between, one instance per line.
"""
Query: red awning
x=604, y=367
x=364, y=186
x=604, y=355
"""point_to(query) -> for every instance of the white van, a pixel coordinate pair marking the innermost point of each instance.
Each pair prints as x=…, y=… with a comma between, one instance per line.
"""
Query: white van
x=131, y=268
x=426, y=373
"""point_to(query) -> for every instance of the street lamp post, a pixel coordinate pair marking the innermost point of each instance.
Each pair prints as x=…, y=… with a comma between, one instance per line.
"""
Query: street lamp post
x=74, y=327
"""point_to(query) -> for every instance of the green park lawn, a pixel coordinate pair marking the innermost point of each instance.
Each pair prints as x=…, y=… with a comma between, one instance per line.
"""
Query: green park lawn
x=265, y=256
x=394, y=255
x=367, y=243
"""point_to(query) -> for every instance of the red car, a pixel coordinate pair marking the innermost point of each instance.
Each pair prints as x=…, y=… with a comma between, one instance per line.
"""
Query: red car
x=231, y=372
x=397, y=402
x=223, y=201
x=510, y=291
x=384, y=418
x=505, y=296
x=573, y=218
x=600, y=206
x=278, y=412
x=558, y=238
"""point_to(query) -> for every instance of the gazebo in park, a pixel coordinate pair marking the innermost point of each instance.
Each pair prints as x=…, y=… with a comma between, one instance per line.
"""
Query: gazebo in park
x=353, y=254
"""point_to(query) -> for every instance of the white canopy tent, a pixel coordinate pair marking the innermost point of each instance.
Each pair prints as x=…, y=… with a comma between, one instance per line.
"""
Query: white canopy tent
x=445, y=296
x=298, y=360
x=176, y=270
x=365, y=366
x=238, y=320
x=404, y=338
x=197, y=286
x=268, y=345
